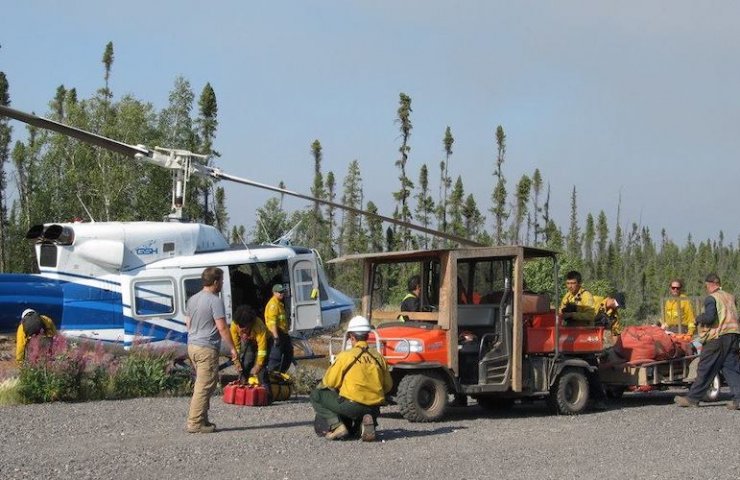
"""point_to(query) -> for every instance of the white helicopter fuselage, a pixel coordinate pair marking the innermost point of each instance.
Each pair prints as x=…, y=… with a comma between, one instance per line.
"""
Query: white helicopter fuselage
x=129, y=282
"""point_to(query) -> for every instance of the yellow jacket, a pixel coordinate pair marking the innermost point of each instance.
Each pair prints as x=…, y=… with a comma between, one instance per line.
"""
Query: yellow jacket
x=258, y=334
x=615, y=325
x=679, y=309
x=21, y=339
x=585, y=306
x=275, y=315
x=364, y=381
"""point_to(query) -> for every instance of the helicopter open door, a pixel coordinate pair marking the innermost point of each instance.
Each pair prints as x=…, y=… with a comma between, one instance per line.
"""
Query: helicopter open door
x=304, y=302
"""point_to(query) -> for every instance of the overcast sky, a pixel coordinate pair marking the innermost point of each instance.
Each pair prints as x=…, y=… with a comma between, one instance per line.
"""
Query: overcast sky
x=633, y=97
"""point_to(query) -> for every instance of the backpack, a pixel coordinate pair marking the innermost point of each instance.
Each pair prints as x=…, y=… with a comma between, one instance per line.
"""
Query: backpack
x=32, y=324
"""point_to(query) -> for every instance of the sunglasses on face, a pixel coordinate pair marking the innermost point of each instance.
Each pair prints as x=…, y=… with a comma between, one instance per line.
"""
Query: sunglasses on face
x=673, y=287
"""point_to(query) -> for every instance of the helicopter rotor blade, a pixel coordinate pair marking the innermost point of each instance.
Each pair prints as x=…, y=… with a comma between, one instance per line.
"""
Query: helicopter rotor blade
x=87, y=137
x=455, y=238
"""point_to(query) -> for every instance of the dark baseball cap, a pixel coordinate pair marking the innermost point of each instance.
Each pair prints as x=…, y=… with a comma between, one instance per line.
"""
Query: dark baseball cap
x=712, y=278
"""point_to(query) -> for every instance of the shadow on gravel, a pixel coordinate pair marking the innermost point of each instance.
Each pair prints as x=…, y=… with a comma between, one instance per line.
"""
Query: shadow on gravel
x=539, y=409
x=401, y=433
x=274, y=425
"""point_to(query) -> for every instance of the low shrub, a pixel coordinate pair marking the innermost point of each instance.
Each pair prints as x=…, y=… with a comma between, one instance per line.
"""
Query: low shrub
x=55, y=370
x=146, y=372
x=51, y=372
x=9, y=394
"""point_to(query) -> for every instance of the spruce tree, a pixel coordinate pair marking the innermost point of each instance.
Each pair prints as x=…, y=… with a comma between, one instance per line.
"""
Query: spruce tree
x=498, y=197
x=206, y=124
x=537, y=189
x=5, y=138
x=317, y=191
x=424, y=205
x=523, y=190
x=457, y=199
x=402, y=195
x=445, y=182
x=473, y=220
x=574, y=232
x=588, y=244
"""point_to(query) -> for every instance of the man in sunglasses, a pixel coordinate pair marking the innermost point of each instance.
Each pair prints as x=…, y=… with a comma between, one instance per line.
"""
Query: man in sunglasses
x=678, y=314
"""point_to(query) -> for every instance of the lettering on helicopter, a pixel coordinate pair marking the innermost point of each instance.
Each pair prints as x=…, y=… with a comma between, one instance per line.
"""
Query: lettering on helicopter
x=148, y=248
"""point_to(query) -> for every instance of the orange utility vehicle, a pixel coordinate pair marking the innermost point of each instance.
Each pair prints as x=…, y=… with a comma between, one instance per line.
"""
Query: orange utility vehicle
x=477, y=333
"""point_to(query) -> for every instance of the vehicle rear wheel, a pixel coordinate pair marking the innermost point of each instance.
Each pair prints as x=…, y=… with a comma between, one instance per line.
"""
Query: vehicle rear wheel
x=495, y=404
x=422, y=397
x=713, y=393
x=569, y=395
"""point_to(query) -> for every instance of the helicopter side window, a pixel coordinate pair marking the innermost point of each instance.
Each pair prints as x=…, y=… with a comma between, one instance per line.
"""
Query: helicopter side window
x=303, y=285
x=191, y=286
x=154, y=297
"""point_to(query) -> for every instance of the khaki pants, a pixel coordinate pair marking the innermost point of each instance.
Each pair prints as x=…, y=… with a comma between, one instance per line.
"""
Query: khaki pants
x=205, y=363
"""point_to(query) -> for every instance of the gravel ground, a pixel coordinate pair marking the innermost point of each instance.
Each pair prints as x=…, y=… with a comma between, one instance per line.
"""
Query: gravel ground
x=641, y=436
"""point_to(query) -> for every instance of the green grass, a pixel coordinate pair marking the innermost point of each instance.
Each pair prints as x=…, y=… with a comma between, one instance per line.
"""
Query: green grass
x=9, y=392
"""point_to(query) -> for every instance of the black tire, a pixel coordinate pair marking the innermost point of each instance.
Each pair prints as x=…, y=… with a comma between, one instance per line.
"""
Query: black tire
x=422, y=397
x=615, y=392
x=712, y=395
x=494, y=404
x=569, y=395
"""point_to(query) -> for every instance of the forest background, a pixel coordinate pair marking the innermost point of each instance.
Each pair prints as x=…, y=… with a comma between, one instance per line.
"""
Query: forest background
x=55, y=176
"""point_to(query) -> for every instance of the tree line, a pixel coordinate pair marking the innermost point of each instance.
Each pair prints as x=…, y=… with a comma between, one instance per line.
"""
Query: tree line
x=57, y=177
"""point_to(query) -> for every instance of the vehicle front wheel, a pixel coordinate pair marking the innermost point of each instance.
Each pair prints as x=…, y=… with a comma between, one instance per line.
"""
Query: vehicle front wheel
x=422, y=397
x=569, y=395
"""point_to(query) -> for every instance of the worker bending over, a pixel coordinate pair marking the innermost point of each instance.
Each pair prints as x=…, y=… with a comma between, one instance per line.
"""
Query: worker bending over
x=32, y=324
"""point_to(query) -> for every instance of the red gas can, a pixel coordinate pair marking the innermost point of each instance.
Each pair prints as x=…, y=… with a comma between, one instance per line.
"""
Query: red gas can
x=249, y=395
x=230, y=392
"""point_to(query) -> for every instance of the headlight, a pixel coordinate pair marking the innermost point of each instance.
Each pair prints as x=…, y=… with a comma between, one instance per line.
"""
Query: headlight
x=409, y=346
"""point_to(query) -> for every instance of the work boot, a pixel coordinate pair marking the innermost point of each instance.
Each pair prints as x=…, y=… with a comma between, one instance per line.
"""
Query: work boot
x=368, y=428
x=683, y=401
x=338, y=433
x=210, y=428
x=733, y=405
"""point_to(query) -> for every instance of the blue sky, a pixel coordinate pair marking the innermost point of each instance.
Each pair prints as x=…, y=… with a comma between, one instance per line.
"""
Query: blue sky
x=633, y=97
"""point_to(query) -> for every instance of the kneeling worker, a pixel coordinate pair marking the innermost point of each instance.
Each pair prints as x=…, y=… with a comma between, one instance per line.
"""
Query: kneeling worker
x=354, y=386
x=32, y=324
x=252, y=341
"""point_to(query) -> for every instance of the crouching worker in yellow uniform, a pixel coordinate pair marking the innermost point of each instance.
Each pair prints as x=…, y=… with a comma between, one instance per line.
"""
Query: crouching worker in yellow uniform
x=252, y=341
x=353, y=388
x=32, y=324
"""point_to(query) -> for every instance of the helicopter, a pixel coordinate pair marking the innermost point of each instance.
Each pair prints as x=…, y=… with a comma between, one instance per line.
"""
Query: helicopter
x=127, y=283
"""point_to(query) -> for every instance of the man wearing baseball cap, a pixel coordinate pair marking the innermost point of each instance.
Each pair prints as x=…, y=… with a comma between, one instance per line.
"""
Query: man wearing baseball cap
x=32, y=324
x=276, y=320
x=720, y=332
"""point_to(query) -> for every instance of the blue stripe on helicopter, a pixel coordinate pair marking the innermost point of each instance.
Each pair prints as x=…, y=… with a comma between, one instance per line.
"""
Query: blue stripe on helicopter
x=342, y=306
